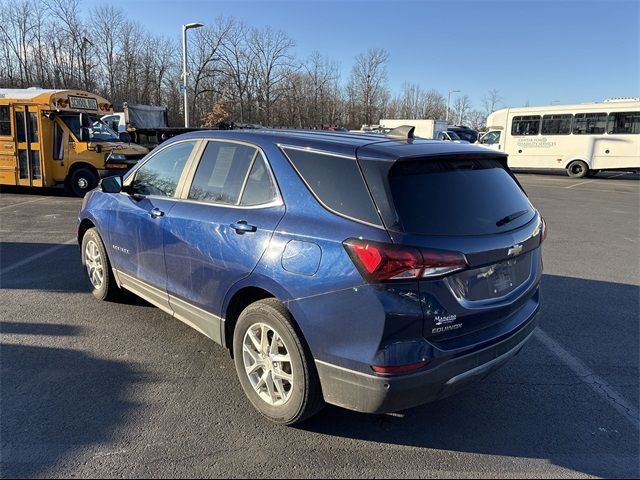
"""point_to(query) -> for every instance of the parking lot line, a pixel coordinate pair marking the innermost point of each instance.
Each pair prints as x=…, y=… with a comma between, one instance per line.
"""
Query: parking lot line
x=36, y=256
x=22, y=203
x=581, y=183
x=585, y=374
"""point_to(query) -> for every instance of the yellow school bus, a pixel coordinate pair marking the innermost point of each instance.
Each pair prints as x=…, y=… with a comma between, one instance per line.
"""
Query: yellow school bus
x=56, y=137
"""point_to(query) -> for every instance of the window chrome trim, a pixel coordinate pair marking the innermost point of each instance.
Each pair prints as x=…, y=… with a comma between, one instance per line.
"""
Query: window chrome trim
x=324, y=205
x=283, y=146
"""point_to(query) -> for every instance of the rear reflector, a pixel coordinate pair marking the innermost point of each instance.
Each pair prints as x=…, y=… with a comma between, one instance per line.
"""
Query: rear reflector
x=379, y=262
x=399, y=368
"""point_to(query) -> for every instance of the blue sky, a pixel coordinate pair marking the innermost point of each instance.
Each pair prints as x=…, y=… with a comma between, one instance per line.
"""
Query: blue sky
x=537, y=52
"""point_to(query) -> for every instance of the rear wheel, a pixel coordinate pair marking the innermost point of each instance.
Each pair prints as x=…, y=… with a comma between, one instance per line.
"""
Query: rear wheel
x=578, y=169
x=96, y=262
x=274, y=367
x=82, y=180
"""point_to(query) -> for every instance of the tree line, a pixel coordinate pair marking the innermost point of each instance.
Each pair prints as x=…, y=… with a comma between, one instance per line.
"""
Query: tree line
x=237, y=72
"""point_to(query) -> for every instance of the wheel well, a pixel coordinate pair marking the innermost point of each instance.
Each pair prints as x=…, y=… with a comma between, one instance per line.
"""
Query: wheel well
x=78, y=165
x=576, y=160
x=83, y=227
x=240, y=300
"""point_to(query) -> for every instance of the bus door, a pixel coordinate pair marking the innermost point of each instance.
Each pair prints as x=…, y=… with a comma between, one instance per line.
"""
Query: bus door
x=27, y=124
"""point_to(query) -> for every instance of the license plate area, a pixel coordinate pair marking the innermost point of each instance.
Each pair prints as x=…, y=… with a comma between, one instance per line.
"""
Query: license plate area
x=492, y=282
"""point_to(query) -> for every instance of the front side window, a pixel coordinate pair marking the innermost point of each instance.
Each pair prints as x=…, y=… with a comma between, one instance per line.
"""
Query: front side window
x=491, y=138
x=5, y=121
x=589, y=123
x=222, y=172
x=624, y=122
x=99, y=131
x=557, y=124
x=336, y=182
x=159, y=176
x=526, y=125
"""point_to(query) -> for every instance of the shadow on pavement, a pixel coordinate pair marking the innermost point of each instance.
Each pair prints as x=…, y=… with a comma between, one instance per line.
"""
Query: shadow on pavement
x=56, y=400
x=46, y=329
x=534, y=407
x=59, y=271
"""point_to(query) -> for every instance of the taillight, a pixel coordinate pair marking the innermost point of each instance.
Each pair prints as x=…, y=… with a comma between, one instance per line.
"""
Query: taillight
x=379, y=262
x=543, y=231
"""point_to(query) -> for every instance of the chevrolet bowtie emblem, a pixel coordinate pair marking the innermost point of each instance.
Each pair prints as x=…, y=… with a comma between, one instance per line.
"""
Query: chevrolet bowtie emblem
x=515, y=250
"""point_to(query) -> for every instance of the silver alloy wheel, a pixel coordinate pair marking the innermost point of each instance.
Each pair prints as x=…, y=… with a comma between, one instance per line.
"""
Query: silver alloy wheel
x=93, y=261
x=267, y=364
x=83, y=183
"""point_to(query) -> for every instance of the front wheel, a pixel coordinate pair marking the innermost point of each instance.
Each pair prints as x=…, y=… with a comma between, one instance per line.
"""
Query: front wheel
x=274, y=367
x=96, y=262
x=82, y=181
x=578, y=169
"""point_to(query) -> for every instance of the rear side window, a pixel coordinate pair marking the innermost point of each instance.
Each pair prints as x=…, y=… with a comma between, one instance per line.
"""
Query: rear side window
x=461, y=197
x=589, y=123
x=624, y=122
x=336, y=182
x=159, y=176
x=556, y=124
x=222, y=172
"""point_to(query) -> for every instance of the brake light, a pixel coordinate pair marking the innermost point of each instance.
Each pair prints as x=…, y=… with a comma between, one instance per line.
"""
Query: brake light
x=379, y=262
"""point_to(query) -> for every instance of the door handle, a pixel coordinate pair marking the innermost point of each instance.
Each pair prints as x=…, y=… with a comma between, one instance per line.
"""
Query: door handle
x=241, y=227
x=156, y=213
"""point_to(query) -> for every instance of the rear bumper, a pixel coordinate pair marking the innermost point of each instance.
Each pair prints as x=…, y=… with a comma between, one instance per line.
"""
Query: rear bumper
x=377, y=394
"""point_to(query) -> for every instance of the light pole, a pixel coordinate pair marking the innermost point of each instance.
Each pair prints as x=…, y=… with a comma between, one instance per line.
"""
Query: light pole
x=449, y=101
x=184, y=67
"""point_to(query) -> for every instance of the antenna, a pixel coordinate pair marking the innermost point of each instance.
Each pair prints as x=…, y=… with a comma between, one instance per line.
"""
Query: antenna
x=404, y=132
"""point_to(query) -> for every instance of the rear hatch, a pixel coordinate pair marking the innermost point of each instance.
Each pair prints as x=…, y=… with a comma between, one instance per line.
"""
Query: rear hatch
x=469, y=203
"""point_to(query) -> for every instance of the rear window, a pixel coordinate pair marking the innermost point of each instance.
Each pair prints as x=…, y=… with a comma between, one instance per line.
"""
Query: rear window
x=336, y=182
x=463, y=197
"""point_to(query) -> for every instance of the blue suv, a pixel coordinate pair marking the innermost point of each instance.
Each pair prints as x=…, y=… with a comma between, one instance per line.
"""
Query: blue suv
x=374, y=273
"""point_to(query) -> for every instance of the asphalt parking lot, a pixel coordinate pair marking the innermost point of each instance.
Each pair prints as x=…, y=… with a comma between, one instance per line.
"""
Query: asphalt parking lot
x=92, y=389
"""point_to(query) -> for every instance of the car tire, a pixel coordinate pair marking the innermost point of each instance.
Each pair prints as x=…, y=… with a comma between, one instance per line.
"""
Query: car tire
x=96, y=262
x=284, y=384
x=578, y=169
x=82, y=181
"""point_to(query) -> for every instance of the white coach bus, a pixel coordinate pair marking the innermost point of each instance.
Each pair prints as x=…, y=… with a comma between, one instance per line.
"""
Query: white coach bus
x=583, y=139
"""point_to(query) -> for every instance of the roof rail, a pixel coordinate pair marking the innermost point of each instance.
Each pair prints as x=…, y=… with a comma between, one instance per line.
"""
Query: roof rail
x=622, y=99
x=403, y=132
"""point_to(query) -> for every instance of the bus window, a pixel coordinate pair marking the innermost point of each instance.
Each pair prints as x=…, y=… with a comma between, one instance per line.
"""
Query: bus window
x=624, y=122
x=58, y=142
x=589, y=123
x=5, y=121
x=526, y=125
x=20, y=133
x=556, y=124
x=33, y=128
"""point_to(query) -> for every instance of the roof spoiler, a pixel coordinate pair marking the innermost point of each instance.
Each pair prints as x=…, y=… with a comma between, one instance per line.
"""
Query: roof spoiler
x=404, y=132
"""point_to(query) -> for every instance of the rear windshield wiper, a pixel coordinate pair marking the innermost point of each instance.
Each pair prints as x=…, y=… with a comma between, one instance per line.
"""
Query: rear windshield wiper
x=511, y=218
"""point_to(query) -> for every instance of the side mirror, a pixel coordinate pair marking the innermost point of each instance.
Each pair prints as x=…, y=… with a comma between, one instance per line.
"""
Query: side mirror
x=111, y=184
x=124, y=137
x=85, y=136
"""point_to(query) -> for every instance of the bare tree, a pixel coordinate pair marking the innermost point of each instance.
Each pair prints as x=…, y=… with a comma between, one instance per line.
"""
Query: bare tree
x=461, y=108
x=367, y=87
x=491, y=101
x=273, y=59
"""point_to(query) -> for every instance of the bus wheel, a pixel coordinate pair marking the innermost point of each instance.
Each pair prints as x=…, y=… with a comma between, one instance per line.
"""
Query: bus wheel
x=578, y=169
x=82, y=180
